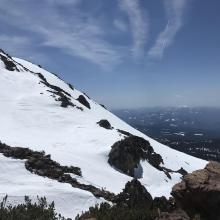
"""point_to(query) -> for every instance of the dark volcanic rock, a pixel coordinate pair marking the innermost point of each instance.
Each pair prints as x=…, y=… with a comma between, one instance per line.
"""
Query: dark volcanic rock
x=71, y=86
x=199, y=192
x=65, y=101
x=126, y=155
x=38, y=162
x=182, y=171
x=126, y=133
x=63, y=96
x=103, y=106
x=105, y=124
x=7, y=60
x=155, y=160
x=83, y=101
x=135, y=195
x=42, y=165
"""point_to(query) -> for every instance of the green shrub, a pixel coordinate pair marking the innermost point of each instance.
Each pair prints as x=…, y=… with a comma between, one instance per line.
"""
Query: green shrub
x=39, y=210
x=118, y=212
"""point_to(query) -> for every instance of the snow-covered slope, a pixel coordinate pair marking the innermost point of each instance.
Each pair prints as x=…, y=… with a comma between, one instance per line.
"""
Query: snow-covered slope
x=31, y=116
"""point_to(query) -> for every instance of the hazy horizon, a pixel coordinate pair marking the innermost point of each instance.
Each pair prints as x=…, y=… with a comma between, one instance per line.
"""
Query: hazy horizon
x=164, y=107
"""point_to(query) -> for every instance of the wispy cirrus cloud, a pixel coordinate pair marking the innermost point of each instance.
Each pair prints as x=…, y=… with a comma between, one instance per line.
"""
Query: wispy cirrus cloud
x=120, y=25
x=63, y=2
x=76, y=33
x=175, y=13
x=13, y=43
x=22, y=46
x=70, y=26
x=139, y=24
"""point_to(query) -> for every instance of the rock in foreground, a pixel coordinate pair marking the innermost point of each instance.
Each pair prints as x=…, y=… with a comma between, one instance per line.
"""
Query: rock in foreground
x=199, y=192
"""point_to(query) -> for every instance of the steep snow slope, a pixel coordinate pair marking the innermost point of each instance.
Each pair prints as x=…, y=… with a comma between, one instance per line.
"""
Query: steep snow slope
x=31, y=117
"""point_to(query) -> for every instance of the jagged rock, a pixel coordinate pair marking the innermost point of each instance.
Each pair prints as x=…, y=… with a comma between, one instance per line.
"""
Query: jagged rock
x=71, y=86
x=103, y=106
x=65, y=102
x=135, y=195
x=86, y=95
x=41, y=76
x=7, y=60
x=155, y=159
x=41, y=164
x=83, y=101
x=105, y=124
x=182, y=171
x=57, y=89
x=126, y=133
x=199, y=192
x=38, y=162
x=126, y=155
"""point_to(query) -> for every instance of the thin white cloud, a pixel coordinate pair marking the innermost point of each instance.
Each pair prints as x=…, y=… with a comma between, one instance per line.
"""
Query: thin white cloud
x=84, y=42
x=14, y=44
x=75, y=33
x=175, y=11
x=22, y=47
x=120, y=25
x=139, y=24
x=179, y=96
x=63, y=2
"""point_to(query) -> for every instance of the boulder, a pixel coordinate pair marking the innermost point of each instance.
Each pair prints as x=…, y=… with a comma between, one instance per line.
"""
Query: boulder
x=83, y=101
x=105, y=124
x=126, y=155
x=199, y=192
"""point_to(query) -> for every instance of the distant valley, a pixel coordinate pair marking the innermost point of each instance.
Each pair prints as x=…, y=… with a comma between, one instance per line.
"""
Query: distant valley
x=195, y=131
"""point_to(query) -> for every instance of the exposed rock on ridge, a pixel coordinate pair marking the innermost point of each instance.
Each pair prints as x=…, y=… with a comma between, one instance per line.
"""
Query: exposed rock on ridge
x=42, y=165
x=126, y=155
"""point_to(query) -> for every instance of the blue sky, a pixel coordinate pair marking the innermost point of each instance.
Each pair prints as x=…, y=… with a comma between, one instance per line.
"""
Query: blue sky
x=123, y=53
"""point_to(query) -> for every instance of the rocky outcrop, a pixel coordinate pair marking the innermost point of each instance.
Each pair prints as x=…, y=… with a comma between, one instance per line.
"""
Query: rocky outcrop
x=58, y=93
x=126, y=155
x=71, y=86
x=135, y=195
x=104, y=124
x=42, y=165
x=7, y=60
x=199, y=192
x=38, y=162
x=126, y=133
x=83, y=101
x=103, y=106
